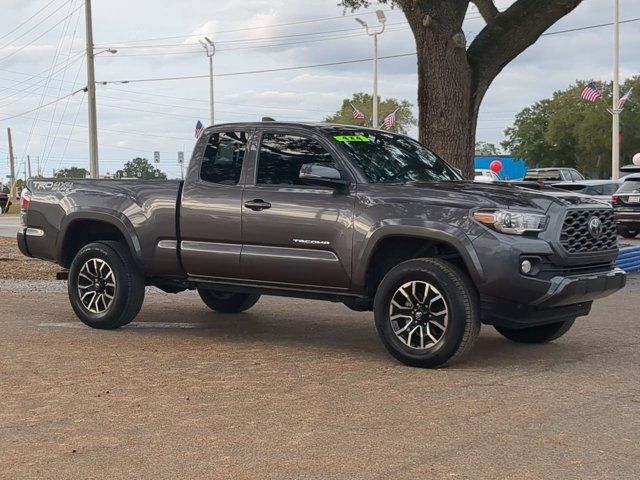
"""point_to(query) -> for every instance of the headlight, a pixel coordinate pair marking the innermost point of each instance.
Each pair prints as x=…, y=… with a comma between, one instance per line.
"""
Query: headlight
x=517, y=223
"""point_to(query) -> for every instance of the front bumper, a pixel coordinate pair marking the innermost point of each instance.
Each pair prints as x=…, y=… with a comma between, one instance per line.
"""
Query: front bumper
x=564, y=287
x=581, y=288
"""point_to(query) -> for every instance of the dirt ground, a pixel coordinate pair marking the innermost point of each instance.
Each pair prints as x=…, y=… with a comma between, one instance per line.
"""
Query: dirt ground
x=15, y=266
x=296, y=389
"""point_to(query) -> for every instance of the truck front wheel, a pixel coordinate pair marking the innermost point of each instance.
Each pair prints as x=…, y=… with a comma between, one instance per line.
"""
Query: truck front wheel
x=426, y=312
x=627, y=232
x=541, y=334
x=227, y=302
x=105, y=287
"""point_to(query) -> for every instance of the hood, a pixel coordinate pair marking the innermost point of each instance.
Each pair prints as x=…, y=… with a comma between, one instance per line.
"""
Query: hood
x=490, y=195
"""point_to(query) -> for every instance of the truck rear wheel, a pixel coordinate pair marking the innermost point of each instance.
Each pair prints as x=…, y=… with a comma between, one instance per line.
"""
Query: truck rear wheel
x=541, y=334
x=106, y=289
x=227, y=302
x=426, y=312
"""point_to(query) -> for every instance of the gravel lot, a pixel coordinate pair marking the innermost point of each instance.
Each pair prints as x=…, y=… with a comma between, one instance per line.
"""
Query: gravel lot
x=14, y=265
x=303, y=389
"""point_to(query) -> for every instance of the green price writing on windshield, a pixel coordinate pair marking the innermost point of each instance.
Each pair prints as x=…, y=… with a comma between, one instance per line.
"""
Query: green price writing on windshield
x=351, y=138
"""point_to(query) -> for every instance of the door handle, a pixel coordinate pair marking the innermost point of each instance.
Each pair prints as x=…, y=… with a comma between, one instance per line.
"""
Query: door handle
x=257, y=205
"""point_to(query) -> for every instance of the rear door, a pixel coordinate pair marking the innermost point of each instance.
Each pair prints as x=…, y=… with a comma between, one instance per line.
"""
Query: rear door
x=294, y=234
x=210, y=223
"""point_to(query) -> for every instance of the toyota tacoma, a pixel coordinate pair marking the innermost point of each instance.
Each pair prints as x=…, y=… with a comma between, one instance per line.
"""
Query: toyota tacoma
x=365, y=217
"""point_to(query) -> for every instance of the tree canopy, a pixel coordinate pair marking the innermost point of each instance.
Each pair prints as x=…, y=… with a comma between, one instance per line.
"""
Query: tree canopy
x=453, y=74
x=485, y=148
x=142, y=169
x=566, y=130
x=364, y=103
x=72, y=172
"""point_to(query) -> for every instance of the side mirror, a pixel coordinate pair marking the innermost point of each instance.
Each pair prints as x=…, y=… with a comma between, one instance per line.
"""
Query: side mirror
x=321, y=174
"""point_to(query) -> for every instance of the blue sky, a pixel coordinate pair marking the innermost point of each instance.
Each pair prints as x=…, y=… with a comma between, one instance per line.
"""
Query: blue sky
x=137, y=119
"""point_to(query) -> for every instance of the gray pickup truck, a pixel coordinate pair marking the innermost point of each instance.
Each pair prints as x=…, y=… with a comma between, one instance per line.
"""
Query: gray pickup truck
x=364, y=217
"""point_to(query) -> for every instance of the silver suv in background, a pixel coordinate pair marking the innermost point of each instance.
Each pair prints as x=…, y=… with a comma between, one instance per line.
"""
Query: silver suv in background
x=598, y=189
x=626, y=205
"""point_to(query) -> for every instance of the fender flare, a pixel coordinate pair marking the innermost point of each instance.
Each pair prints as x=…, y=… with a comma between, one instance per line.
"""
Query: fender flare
x=104, y=215
x=442, y=233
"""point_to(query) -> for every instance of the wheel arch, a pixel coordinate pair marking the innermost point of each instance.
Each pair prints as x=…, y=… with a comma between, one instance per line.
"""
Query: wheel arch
x=388, y=246
x=81, y=228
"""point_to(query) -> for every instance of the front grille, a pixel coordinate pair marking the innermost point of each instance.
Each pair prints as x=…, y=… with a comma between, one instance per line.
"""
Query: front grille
x=576, y=238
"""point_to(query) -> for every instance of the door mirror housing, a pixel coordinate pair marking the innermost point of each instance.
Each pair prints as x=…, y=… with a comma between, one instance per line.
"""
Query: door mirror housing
x=321, y=174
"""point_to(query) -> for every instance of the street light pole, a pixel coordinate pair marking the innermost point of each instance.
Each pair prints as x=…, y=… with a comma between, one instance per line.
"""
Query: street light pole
x=94, y=167
x=210, y=48
x=615, y=109
x=374, y=33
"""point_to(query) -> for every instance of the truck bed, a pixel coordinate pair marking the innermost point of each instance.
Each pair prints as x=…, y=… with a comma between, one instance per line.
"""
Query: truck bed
x=144, y=212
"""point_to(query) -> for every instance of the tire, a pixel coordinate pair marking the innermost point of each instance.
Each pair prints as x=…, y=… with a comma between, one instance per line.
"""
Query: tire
x=127, y=291
x=541, y=334
x=626, y=232
x=461, y=320
x=227, y=302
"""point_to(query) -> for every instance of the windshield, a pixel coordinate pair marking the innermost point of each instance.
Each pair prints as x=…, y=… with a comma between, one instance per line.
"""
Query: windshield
x=388, y=158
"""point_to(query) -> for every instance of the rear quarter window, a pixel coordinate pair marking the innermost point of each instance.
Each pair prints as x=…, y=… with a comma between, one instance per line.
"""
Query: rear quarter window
x=630, y=186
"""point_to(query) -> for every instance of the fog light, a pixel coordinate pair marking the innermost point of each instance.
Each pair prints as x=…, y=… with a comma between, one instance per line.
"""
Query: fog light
x=526, y=267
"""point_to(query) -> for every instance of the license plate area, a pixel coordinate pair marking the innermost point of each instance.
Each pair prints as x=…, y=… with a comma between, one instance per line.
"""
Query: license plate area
x=634, y=199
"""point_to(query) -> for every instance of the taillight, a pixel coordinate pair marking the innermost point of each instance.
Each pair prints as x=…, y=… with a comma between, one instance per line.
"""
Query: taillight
x=25, y=200
x=615, y=199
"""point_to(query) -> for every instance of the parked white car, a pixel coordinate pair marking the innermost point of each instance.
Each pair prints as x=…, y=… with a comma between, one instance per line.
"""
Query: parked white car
x=485, y=175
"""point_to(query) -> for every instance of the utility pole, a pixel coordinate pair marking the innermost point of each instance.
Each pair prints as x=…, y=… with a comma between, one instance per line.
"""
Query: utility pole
x=29, y=166
x=12, y=167
x=210, y=48
x=383, y=21
x=615, y=109
x=12, y=170
x=94, y=167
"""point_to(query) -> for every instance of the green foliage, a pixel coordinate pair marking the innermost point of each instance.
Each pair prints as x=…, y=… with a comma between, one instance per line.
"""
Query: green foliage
x=566, y=130
x=364, y=103
x=484, y=148
x=142, y=169
x=72, y=172
x=356, y=4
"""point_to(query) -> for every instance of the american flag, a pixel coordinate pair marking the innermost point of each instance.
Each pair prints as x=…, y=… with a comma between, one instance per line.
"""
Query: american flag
x=591, y=93
x=199, y=129
x=390, y=120
x=357, y=114
x=624, y=99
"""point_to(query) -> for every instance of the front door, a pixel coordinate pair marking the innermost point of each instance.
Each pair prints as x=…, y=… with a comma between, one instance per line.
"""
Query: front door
x=210, y=223
x=295, y=235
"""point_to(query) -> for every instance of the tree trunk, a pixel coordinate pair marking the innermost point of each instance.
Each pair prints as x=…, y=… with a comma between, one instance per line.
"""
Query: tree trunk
x=447, y=104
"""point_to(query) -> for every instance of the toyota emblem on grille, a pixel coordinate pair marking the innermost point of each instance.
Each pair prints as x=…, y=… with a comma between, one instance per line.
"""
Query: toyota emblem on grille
x=595, y=227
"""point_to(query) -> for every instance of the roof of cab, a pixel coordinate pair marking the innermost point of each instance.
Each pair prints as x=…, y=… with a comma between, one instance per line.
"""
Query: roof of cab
x=306, y=125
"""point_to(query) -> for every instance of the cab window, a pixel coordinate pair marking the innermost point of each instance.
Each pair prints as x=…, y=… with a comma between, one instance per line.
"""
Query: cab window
x=222, y=161
x=282, y=156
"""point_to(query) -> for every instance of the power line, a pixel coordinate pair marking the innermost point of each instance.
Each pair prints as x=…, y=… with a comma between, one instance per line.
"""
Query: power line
x=41, y=106
x=17, y=27
x=345, y=62
x=259, y=39
x=245, y=29
x=577, y=29
x=39, y=36
x=33, y=27
x=252, y=72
